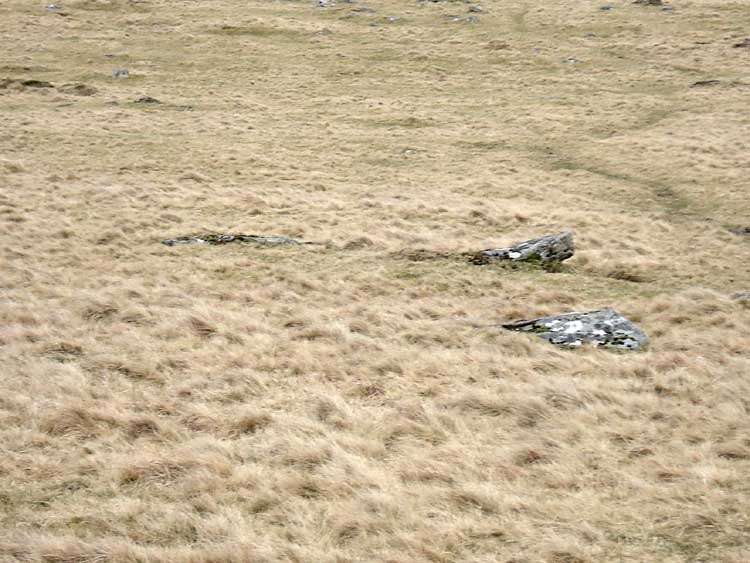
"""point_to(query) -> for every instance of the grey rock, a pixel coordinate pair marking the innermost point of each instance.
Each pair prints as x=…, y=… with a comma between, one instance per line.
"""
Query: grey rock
x=606, y=328
x=551, y=248
x=54, y=7
x=147, y=100
x=703, y=83
x=326, y=3
x=120, y=73
x=742, y=230
x=476, y=10
x=649, y=2
x=460, y=19
x=227, y=238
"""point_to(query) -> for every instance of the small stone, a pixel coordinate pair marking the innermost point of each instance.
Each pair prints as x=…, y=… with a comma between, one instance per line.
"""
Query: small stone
x=120, y=73
x=548, y=249
x=606, y=328
x=606, y=8
x=649, y=2
x=572, y=60
x=54, y=7
x=476, y=10
x=744, y=44
x=703, y=83
x=326, y=3
x=460, y=19
x=36, y=84
x=147, y=100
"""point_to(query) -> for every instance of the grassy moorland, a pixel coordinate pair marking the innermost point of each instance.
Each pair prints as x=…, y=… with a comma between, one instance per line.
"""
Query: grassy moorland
x=350, y=402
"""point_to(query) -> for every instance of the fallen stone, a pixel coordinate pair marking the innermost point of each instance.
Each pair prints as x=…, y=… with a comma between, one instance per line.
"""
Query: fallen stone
x=606, y=328
x=147, y=100
x=120, y=73
x=548, y=249
x=460, y=19
x=36, y=84
x=702, y=83
x=743, y=298
x=227, y=238
x=741, y=230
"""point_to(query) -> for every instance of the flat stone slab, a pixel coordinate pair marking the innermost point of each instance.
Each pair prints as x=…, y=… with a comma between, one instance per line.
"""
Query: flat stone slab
x=226, y=239
x=550, y=248
x=606, y=328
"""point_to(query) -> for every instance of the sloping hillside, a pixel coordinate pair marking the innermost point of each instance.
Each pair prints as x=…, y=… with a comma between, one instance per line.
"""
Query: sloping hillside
x=355, y=400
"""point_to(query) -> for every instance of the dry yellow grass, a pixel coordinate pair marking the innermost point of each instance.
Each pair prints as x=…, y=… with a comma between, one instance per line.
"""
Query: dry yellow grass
x=347, y=402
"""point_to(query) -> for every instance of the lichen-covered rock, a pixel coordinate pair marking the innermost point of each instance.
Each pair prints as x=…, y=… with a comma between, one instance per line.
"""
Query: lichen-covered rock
x=743, y=297
x=606, y=328
x=225, y=239
x=551, y=248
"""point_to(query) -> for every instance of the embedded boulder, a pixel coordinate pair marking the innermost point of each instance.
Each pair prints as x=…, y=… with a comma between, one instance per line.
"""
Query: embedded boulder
x=548, y=249
x=226, y=239
x=606, y=328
